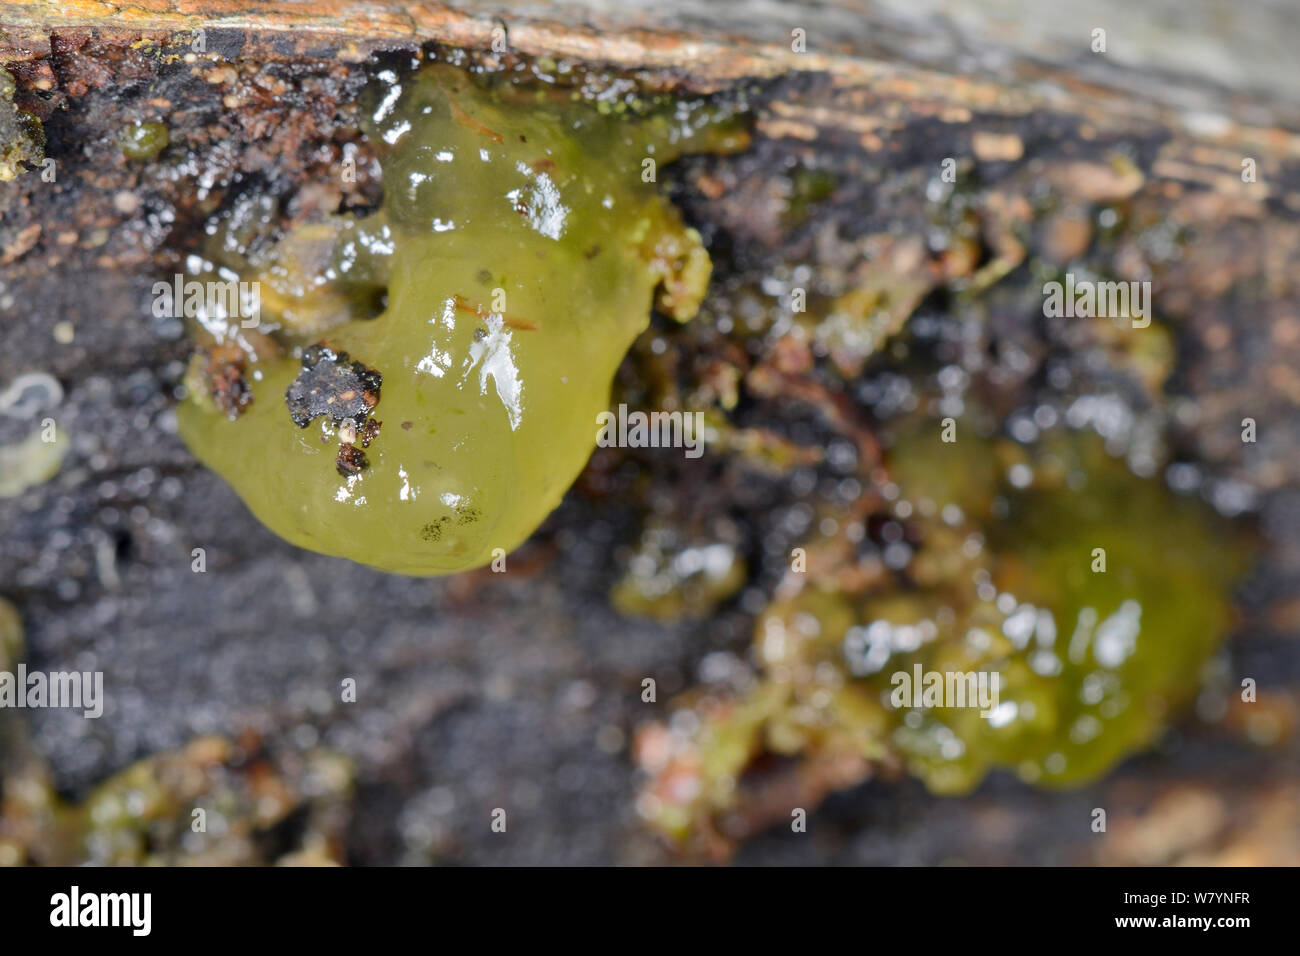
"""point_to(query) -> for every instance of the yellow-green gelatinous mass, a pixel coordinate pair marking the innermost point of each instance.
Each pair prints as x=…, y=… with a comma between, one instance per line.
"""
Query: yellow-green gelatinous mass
x=22, y=138
x=1091, y=663
x=1103, y=594
x=449, y=354
x=143, y=141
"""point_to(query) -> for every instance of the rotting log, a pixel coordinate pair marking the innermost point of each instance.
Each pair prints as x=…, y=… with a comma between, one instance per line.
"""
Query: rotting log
x=272, y=95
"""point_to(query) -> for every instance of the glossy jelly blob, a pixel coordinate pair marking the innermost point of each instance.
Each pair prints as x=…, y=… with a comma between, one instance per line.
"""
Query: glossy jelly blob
x=470, y=328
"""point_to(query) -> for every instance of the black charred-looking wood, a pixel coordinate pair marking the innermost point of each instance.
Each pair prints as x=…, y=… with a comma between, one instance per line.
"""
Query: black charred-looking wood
x=333, y=385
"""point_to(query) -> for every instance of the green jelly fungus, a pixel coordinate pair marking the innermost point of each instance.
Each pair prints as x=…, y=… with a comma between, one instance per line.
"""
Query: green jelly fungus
x=143, y=141
x=22, y=139
x=424, y=383
x=1095, y=596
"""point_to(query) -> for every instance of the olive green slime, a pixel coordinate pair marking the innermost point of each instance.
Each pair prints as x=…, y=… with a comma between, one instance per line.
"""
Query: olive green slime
x=514, y=260
x=143, y=141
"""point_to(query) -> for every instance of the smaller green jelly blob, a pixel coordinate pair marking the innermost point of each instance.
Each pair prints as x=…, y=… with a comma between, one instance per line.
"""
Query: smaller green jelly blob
x=143, y=142
x=22, y=139
x=1095, y=597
